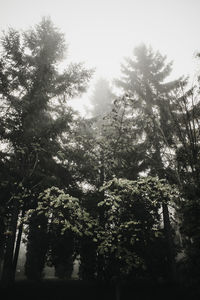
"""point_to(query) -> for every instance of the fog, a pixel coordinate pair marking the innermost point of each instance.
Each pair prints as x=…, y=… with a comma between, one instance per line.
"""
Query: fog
x=99, y=148
x=101, y=33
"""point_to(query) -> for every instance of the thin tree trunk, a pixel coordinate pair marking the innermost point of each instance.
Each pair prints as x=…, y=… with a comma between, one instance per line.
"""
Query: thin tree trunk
x=170, y=246
x=100, y=260
x=167, y=227
x=7, y=273
x=2, y=244
x=17, y=246
x=1, y=262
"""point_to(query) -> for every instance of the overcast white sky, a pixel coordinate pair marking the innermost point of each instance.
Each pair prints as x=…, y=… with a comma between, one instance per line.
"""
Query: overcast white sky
x=102, y=32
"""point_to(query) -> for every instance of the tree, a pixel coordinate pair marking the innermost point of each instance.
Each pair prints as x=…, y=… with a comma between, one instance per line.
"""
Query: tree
x=144, y=79
x=33, y=93
x=131, y=239
x=184, y=149
x=125, y=152
x=133, y=220
x=37, y=245
x=101, y=98
x=67, y=222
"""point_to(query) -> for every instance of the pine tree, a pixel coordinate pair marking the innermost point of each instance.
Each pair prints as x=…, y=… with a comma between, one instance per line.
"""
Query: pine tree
x=144, y=80
x=101, y=98
x=34, y=93
x=184, y=110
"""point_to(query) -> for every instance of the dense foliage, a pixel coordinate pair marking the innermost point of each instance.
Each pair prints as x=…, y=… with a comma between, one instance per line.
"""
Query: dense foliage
x=132, y=229
x=118, y=191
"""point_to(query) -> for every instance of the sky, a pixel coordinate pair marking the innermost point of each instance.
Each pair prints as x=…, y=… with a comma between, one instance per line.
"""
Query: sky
x=101, y=33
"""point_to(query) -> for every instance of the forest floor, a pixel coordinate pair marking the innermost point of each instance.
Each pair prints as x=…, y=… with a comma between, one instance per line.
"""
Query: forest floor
x=51, y=289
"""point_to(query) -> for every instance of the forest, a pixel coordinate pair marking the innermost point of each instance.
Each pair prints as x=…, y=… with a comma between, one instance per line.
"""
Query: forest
x=118, y=191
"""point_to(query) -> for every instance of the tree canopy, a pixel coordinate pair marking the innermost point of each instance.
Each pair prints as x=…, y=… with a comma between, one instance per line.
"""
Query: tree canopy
x=119, y=190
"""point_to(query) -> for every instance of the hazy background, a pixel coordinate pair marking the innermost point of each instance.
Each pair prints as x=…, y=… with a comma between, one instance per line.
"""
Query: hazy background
x=102, y=32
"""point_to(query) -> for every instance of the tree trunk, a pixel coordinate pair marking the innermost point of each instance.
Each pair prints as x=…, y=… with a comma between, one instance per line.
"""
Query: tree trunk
x=18, y=243
x=7, y=273
x=170, y=246
x=2, y=243
x=1, y=261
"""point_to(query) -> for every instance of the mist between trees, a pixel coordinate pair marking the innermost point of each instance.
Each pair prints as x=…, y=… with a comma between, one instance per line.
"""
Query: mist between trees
x=119, y=190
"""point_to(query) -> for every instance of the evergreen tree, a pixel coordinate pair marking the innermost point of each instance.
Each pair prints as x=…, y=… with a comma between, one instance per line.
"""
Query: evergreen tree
x=184, y=116
x=34, y=94
x=101, y=98
x=144, y=79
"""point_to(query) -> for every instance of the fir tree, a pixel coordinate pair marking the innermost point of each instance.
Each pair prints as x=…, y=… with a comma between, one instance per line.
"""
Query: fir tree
x=144, y=80
x=34, y=94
